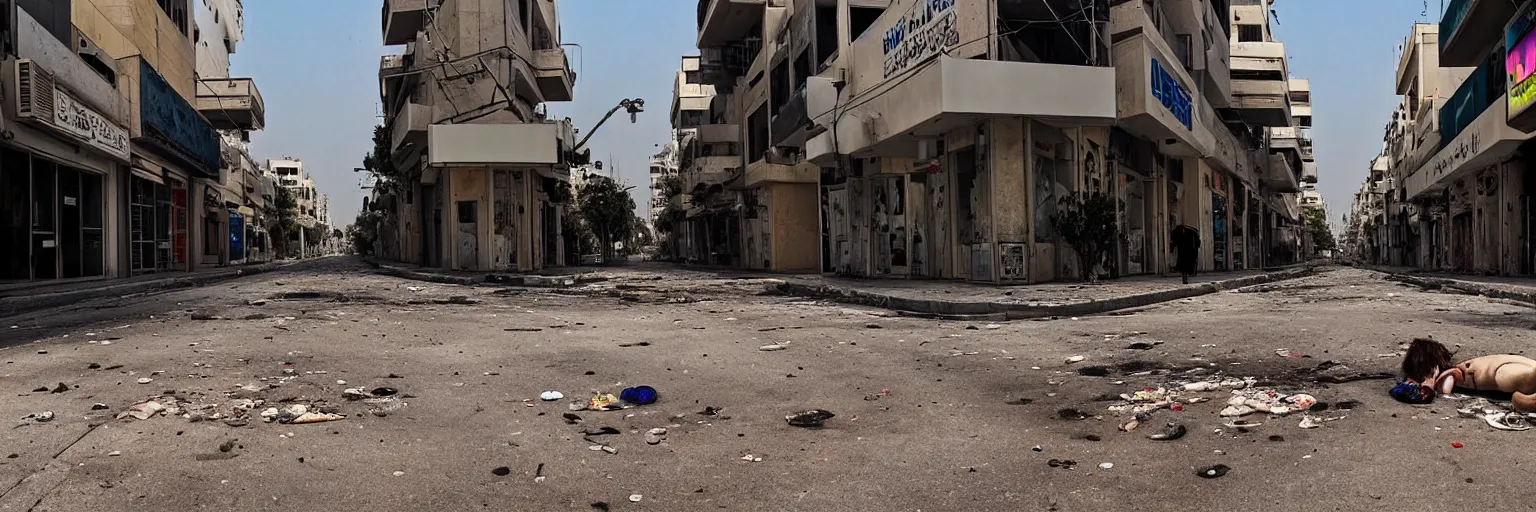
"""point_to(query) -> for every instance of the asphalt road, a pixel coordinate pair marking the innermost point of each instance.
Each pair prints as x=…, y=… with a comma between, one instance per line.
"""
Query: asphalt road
x=930, y=415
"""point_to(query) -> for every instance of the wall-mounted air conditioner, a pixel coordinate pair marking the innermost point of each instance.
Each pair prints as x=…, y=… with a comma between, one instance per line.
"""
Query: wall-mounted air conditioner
x=30, y=89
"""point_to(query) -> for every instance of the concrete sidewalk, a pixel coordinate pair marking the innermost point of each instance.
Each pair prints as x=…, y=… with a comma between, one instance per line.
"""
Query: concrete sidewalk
x=948, y=299
x=1508, y=288
x=17, y=301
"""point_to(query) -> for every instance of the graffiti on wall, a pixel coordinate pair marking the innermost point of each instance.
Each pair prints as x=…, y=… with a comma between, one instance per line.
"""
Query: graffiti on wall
x=924, y=31
x=1013, y=261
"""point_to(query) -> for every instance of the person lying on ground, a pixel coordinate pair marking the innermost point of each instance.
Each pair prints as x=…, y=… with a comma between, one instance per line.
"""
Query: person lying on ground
x=1427, y=370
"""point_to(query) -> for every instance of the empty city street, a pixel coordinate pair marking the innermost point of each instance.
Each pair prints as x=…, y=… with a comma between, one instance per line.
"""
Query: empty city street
x=929, y=414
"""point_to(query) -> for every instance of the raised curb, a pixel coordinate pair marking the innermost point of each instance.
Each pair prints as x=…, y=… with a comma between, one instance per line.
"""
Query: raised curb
x=998, y=310
x=535, y=281
x=21, y=304
x=1495, y=291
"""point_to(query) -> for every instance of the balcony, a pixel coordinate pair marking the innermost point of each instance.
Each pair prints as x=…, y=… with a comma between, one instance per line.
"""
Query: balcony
x=1284, y=138
x=68, y=69
x=1260, y=87
x=1309, y=172
x=172, y=126
x=231, y=103
x=770, y=170
x=718, y=133
x=1282, y=174
x=1471, y=28
x=402, y=20
x=410, y=126
x=723, y=21
x=1156, y=98
x=951, y=93
x=789, y=123
x=553, y=74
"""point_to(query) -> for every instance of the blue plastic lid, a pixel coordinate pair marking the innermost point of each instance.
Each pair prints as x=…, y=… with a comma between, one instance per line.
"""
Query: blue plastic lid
x=639, y=395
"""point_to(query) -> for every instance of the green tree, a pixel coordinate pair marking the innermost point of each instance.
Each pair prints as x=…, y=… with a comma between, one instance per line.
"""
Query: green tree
x=1317, y=224
x=1089, y=223
x=380, y=164
x=281, y=220
x=608, y=210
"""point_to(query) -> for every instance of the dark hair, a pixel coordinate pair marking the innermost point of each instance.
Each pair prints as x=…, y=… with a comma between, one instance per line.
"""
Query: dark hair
x=1423, y=357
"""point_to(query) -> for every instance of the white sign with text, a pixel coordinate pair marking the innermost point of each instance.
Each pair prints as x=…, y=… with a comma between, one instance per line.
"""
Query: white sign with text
x=89, y=126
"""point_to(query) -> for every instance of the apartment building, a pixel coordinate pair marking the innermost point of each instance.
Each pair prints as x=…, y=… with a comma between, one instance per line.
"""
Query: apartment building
x=289, y=174
x=709, y=157
x=113, y=170
x=935, y=147
x=1450, y=190
x=663, y=169
x=462, y=103
x=233, y=105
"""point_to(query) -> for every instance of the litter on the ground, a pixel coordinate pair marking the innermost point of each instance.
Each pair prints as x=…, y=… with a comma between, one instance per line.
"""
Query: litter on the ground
x=550, y=396
x=1215, y=471
x=772, y=348
x=603, y=402
x=639, y=395
x=1170, y=432
x=809, y=419
x=1075, y=359
x=1106, y=465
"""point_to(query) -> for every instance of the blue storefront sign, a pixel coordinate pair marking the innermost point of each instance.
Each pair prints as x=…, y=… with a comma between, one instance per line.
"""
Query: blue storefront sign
x=173, y=125
x=236, y=236
x=1174, y=97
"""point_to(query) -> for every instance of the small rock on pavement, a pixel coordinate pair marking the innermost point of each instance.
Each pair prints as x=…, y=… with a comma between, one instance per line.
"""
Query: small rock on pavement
x=114, y=453
x=636, y=498
x=501, y=471
x=813, y=418
x=772, y=348
x=1215, y=471
x=145, y=380
x=655, y=435
x=1106, y=465
x=399, y=473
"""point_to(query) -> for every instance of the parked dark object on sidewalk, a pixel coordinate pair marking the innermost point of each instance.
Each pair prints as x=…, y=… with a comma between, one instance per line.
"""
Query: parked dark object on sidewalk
x=1186, y=242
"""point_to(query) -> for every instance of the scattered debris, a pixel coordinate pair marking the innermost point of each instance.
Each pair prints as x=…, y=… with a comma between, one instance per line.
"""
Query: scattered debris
x=1094, y=371
x=655, y=435
x=550, y=396
x=773, y=348
x=1075, y=359
x=1456, y=444
x=399, y=473
x=639, y=395
x=62, y=387
x=1277, y=439
x=604, y=402
x=145, y=380
x=114, y=453
x=1309, y=421
x=571, y=418
x=636, y=498
x=1215, y=471
x=317, y=417
x=1170, y=432
x=1072, y=414
x=501, y=471
x=813, y=418
x=636, y=344
x=1507, y=421
x=143, y=410
x=1063, y=464
x=99, y=407
x=40, y=417
x=1106, y=465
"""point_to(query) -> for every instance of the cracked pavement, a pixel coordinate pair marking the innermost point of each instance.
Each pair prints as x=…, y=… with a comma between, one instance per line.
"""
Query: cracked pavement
x=930, y=415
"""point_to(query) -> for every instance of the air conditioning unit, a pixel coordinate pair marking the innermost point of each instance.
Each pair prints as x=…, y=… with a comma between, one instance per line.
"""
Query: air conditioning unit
x=32, y=91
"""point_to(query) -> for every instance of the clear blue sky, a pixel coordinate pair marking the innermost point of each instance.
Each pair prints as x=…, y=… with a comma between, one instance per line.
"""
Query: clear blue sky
x=318, y=73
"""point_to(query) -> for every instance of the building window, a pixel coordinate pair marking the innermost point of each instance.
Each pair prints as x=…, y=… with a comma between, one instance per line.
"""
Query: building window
x=691, y=77
x=177, y=11
x=1250, y=33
